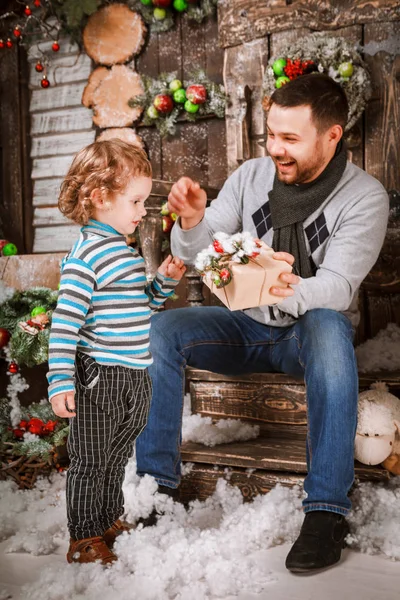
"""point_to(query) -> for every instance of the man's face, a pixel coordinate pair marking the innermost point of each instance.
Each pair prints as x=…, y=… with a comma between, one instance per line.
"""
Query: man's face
x=299, y=152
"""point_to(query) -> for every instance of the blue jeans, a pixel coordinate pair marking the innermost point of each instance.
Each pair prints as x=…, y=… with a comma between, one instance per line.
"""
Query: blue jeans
x=318, y=348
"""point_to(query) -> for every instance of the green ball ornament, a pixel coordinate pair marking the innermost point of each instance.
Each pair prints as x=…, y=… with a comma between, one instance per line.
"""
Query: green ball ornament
x=175, y=85
x=180, y=5
x=190, y=107
x=152, y=112
x=180, y=96
x=147, y=2
x=278, y=67
x=10, y=249
x=281, y=81
x=346, y=69
x=38, y=310
x=159, y=14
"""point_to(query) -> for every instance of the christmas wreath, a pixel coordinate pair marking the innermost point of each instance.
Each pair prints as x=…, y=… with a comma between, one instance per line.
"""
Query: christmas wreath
x=317, y=53
x=167, y=98
x=225, y=249
x=24, y=322
x=159, y=14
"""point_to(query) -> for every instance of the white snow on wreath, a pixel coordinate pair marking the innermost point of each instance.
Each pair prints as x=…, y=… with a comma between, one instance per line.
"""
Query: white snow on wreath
x=327, y=54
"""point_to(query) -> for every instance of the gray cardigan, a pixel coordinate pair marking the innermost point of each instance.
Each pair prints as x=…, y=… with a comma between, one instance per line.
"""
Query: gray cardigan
x=344, y=236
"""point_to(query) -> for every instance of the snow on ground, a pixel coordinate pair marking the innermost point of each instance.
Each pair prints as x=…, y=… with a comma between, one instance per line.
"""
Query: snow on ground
x=207, y=552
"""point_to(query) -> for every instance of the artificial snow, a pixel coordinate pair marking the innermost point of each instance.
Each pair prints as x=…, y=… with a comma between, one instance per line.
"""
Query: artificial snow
x=381, y=353
x=201, y=430
x=201, y=553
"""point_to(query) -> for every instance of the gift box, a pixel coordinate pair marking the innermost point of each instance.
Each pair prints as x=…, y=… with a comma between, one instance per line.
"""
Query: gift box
x=250, y=283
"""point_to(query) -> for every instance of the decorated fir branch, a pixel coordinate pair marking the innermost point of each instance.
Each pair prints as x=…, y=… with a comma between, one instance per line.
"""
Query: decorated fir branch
x=37, y=433
x=225, y=249
x=160, y=14
x=318, y=53
x=24, y=324
x=166, y=99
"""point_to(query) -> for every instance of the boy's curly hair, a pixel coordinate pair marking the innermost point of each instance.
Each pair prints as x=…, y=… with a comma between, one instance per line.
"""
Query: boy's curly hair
x=105, y=165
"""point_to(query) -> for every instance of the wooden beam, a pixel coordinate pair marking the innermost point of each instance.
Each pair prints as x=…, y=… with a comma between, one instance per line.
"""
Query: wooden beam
x=245, y=20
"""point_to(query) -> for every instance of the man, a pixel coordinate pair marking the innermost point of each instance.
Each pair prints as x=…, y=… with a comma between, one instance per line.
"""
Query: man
x=328, y=218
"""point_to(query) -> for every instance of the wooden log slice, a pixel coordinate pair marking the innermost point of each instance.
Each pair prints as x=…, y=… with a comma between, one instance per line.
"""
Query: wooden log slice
x=114, y=34
x=110, y=99
x=95, y=78
x=122, y=133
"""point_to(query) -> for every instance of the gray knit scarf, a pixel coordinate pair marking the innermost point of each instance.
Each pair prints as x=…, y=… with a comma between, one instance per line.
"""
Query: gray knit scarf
x=292, y=204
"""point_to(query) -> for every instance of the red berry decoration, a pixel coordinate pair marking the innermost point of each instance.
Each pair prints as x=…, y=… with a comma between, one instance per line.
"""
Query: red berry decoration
x=27, y=11
x=35, y=426
x=37, y=4
x=23, y=424
x=4, y=337
x=45, y=83
x=39, y=67
x=2, y=44
x=226, y=276
x=17, y=32
x=197, y=94
x=13, y=368
x=218, y=247
x=162, y=3
x=18, y=433
x=9, y=43
x=55, y=46
x=163, y=103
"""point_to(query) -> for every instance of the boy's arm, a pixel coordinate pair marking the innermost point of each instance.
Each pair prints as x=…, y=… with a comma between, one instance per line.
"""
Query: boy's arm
x=160, y=289
x=74, y=299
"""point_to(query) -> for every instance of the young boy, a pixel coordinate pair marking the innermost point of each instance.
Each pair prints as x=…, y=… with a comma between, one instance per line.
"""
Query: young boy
x=99, y=339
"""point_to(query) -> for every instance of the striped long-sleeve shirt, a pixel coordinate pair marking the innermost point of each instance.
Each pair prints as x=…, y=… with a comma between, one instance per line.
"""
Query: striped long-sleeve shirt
x=104, y=306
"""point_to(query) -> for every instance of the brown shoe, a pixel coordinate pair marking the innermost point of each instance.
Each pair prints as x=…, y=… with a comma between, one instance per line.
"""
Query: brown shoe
x=90, y=550
x=115, y=530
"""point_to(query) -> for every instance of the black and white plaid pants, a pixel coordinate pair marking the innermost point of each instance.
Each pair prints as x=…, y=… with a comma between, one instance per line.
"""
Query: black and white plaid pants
x=112, y=405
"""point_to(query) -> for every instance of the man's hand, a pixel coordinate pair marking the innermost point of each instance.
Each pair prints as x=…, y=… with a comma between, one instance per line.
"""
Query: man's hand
x=62, y=402
x=172, y=267
x=288, y=278
x=188, y=201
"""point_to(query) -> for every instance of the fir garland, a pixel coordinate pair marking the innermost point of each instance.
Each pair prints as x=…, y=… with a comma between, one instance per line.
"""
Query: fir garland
x=161, y=20
x=334, y=56
x=166, y=124
x=27, y=349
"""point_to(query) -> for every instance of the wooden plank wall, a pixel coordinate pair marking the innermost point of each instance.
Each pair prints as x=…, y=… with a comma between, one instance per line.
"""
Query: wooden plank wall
x=60, y=126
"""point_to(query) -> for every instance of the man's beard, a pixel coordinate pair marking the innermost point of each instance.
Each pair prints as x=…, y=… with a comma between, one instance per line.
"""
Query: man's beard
x=303, y=173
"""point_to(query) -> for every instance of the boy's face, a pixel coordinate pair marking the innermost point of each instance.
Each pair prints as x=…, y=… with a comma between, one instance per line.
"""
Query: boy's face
x=299, y=151
x=126, y=209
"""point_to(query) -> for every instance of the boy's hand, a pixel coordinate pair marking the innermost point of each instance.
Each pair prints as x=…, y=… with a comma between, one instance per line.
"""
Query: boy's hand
x=172, y=267
x=62, y=402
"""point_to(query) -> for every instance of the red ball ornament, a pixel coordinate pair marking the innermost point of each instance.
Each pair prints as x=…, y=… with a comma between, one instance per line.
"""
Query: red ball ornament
x=4, y=337
x=27, y=11
x=9, y=43
x=37, y=4
x=17, y=32
x=35, y=426
x=197, y=94
x=163, y=103
x=39, y=67
x=13, y=368
x=23, y=424
x=55, y=46
x=2, y=44
x=45, y=83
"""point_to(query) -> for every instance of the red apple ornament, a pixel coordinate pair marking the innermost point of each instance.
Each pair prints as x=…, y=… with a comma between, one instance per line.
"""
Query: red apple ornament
x=197, y=94
x=163, y=103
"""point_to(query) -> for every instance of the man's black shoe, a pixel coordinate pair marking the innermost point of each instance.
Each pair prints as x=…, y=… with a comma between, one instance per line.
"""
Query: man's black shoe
x=320, y=543
x=153, y=517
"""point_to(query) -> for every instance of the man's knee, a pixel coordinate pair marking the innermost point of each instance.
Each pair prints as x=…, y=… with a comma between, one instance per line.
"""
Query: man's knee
x=328, y=335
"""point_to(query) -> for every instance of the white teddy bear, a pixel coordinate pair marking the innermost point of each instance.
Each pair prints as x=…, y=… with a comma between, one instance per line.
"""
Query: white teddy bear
x=378, y=429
